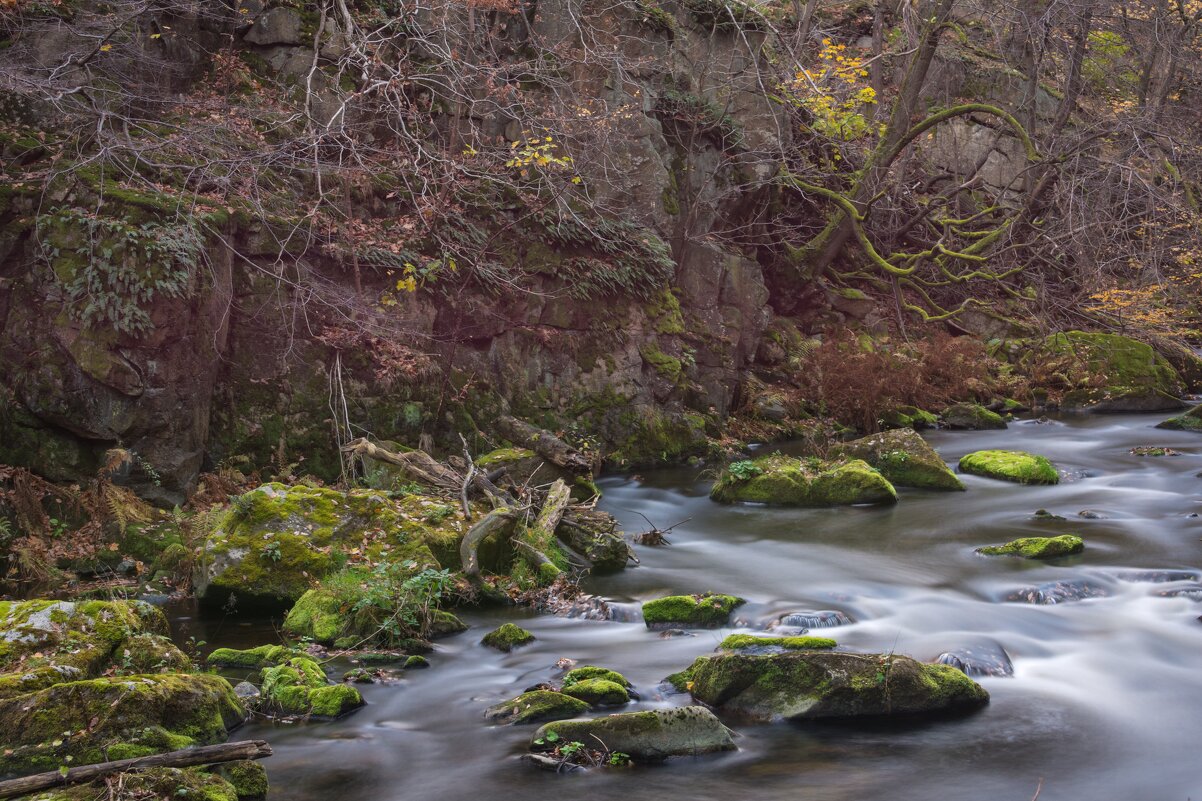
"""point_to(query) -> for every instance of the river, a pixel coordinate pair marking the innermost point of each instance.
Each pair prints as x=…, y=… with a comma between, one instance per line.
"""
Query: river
x=1103, y=703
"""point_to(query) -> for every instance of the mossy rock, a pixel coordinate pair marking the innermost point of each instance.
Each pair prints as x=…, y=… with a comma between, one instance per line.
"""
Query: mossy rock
x=186, y=784
x=972, y=417
x=750, y=643
x=277, y=541
x=1018, y=466
x=707, y=611
x=300, y=688
x=536, y=706
x=252, y=658
x=249, y=778
x=115, y=717
x=645, y=736
x=787, y=481
x=909, y=417
x=905, y=459
x=1190, y=421
x=1037, y=547
x=586, y=672
x=507, y=637
x=598, y=692
x=43, y=642
x=805, y=685
x=1108, y=373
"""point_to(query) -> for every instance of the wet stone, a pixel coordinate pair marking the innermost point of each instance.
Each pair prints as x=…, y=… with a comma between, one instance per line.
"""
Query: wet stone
x=1058, y=592
x=824, y=619
x=1192, y=592
x=1156, y=576
x=986, y=658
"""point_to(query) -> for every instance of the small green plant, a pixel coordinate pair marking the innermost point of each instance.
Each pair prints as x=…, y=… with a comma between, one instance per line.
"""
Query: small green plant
x=272, y=551
x=617, y=759
x=745, y=470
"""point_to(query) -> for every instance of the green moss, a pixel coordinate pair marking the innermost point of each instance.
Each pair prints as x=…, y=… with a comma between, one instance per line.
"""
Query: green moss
x=318, y=615
x=700, y=611
x=667, y=366
x=249, y=778
x=416, y=662
x=905, y=459
x=664, y=311
x=190, y=784
x=598, y=692
x=586, y=672
x=1017, y=466
x=787, y=481
x=1190, y=421
x=97, y=719
x=737, y=642
x=300, y=688
x=1105, y=372
x=1037, y=547
x=972, y=416
x=253, y=658
x=503, y=456
x=536, y=706
x=507, y=637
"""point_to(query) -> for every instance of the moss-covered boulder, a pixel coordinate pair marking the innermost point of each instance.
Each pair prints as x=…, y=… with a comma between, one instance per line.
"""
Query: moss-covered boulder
x=598, y=692
x=536, y=706
x=115, y=717
x=1037, y=547
x=825, y=684
x=299, y=687
x=44, y=642
x=507, y=637
x=586, y=672
x=1017, y=466
x=252, y=658
x=908, y=417
x=277, y=541
x=707, y=611
x=751, y=643
x=1190, y=421
x=788, y=481
x=249, y=778
x=904, y=458
x=1106, y=373
x=971, y=417
x=654, y=735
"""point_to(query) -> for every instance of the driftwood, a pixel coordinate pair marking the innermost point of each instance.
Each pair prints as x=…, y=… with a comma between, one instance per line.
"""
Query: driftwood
x=188, y=757
x=469, y=547
x=417, y=465
x=558, y=497
x=545, y=444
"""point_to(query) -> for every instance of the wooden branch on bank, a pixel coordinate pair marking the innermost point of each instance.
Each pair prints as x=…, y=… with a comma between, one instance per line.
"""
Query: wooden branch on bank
x=545, y=444
x=494, y=521
x=188, y=757
x=418, y=465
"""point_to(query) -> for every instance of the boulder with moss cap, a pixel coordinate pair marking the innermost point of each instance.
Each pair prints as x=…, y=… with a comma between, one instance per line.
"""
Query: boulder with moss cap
x=803, y=685
x=648, y=736
x=1037, y=547
x=536, y=706
x=507, y=637
x=708, y=611
x=299, y=687
x=971, y=416
x=904, y=458
x=1189, y=421
x=1017, y=466
x=788, y=481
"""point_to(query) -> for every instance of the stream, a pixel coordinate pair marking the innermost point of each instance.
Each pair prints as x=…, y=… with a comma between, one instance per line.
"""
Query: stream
x=1104, y=697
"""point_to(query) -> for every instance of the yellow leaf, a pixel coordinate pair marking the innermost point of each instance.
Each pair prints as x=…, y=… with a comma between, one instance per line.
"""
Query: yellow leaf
x=104, y=48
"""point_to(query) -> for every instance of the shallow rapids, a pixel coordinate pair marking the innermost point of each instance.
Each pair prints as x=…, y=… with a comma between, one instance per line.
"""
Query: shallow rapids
x=1103, y=703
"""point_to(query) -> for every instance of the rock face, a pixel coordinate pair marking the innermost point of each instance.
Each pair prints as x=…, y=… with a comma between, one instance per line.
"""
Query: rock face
x=658, y=734
x=1108, y=373
x=787, y=481
x=1190, y=421
x=697, y=611
x=1037, y=547
x=818, y=684
x=1016, y=466
x=971, y=416
x=904, y=458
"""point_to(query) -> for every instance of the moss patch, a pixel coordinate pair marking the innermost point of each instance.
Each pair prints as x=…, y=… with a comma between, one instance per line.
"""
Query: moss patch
x=300, y=688
x=1037, y=547
x=507, y=637
x=787, y=481
x=1190, y=421
x=738, y=642
x=972, y=416
x=905, y=459
x=536, y=706
x=698, y=611
x=598, y=692
x=1017, y=466
x=252, y=658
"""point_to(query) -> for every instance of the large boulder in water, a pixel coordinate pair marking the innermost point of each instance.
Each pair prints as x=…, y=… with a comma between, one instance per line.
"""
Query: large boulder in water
x=806, y=685
x=657, y=734
x=1017, y=466
x=789, y=481
x=1107, y=373
x=1190, y=421
x=971, y=416
x=904, y=458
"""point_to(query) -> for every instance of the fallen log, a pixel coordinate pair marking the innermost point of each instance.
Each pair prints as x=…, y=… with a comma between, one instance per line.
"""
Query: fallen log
x=469, y=547
x=545, y=444
x=417, y=465
x=188, y=757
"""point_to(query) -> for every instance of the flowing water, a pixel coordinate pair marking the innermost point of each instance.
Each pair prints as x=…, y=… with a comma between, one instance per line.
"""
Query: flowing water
x=1103, y=703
